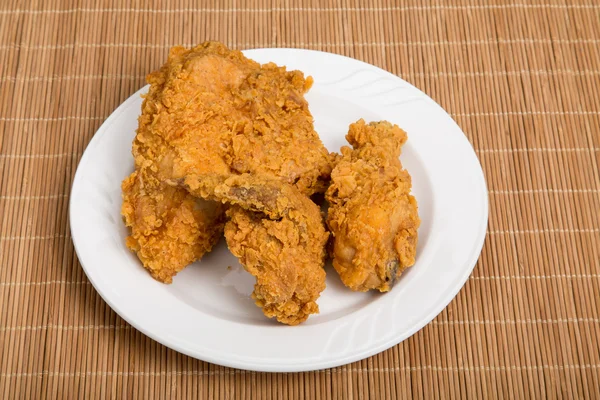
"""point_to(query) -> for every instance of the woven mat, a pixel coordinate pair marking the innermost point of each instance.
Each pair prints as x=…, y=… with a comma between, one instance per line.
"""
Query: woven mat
x=522, y=80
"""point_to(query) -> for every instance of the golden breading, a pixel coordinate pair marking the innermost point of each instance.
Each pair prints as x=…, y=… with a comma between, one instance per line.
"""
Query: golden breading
x=372, y=215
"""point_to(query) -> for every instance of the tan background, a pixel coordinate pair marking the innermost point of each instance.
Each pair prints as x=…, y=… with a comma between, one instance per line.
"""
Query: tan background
x=522, y=80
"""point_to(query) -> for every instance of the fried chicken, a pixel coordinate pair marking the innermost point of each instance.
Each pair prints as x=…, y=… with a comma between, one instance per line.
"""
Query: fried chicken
x=170, y=227
x=372, y=215
x=278, y=235
x=211, y=110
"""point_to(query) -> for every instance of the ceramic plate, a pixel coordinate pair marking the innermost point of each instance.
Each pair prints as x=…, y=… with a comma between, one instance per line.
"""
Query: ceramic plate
x=207, y=312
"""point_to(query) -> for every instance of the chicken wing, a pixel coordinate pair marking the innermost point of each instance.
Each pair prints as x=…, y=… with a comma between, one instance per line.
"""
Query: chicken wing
x=211, y=110
x=279, y=236
x=372, y=215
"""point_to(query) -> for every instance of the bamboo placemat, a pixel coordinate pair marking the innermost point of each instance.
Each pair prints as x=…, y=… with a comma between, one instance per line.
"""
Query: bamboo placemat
x=522, y=80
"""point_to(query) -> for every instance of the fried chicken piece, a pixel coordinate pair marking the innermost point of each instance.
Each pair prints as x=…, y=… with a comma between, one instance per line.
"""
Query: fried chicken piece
x=211, y=110
x=171, y=227
x=278, y=235
x=372, y=216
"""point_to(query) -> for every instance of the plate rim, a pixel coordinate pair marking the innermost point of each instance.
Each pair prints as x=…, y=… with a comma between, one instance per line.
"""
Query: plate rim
x=326, y=362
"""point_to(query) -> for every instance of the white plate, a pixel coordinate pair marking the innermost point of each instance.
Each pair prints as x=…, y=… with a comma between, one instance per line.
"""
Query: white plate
x=207, y=312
